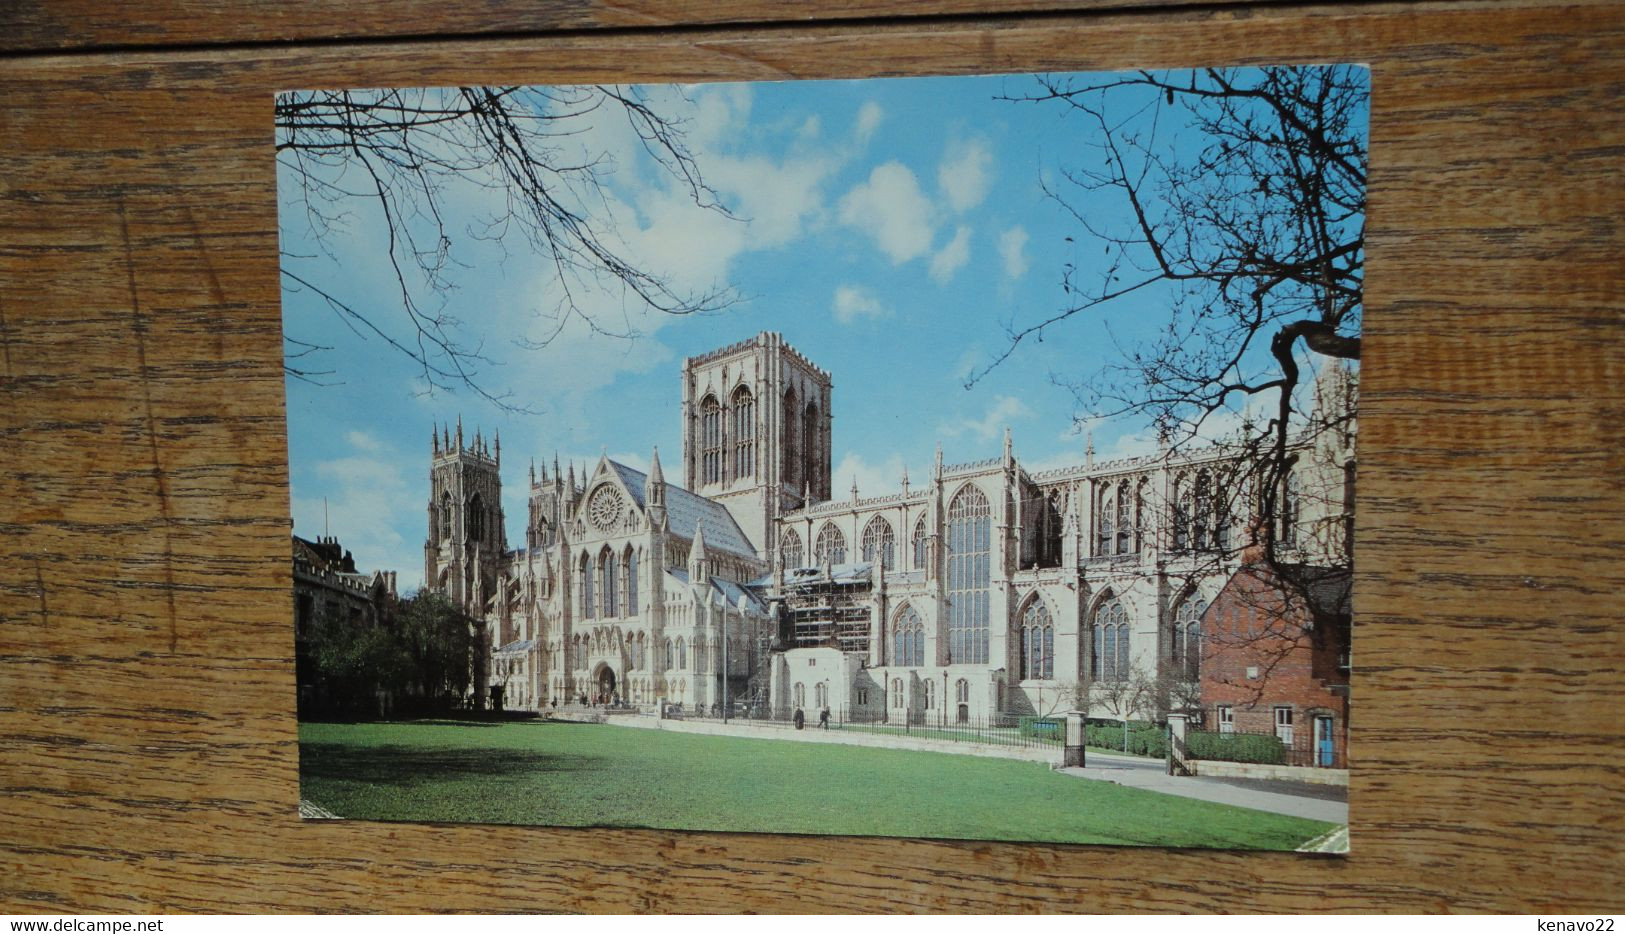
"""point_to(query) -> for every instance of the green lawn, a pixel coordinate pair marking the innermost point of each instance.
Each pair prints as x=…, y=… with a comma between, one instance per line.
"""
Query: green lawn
x=566, y=774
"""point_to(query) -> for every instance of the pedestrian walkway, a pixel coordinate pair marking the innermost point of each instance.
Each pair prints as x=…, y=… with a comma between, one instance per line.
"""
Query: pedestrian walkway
x=747, y=729
x=1151, y=775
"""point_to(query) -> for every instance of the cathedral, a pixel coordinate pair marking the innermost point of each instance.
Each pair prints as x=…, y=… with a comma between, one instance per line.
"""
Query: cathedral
x=983, y=592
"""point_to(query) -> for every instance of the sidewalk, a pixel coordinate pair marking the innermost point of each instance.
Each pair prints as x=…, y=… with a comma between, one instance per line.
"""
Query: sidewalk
x=1151, y=775
x=745, y=729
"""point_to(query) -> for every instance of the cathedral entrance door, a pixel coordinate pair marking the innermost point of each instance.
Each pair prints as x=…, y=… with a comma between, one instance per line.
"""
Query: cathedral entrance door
x=606, y=685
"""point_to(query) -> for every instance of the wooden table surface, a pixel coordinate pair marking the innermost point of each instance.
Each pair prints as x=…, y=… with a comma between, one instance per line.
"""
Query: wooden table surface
x=147, y=738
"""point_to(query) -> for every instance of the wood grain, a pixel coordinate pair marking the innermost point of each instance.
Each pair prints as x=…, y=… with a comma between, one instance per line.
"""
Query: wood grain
x=146, y=674
x=77, y=24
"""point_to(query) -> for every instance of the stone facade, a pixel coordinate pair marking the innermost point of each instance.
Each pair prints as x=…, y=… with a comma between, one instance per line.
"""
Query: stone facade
x=987, y=591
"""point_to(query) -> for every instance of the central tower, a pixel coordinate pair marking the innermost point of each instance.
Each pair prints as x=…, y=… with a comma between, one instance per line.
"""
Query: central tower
x=756, y=432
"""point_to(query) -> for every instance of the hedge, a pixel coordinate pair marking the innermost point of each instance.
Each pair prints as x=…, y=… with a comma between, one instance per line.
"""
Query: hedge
x=1235, y=747
x=1043, y=728
x=1144, y=738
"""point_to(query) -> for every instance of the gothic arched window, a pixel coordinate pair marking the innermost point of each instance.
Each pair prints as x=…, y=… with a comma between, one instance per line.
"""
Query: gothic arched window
x=908, y=639
x=919, y=544
x=1125, y=519
x=790, y=552
x=831, y=546
x=1108, y=517
x=682, y=654
x=606, y=563
x=1202, y=512
x=476, y=518
x=879, y=544
x=744, y=406
x=586, y=588
x=445, y=516
x=1052, y=524
x=671, y=656
x=711, y=440
x=790, y=456
x=1186, y=644
x=810, y=439
x=970, y=526
x=631, y=582
x=1142, y=519
x=1182, y=515
x=1109, y=656
x=1221, y=514
x=1037, y=643
x=1289, y=509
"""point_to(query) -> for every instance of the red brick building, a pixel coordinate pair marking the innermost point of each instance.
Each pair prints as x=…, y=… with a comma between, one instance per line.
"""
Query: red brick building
x=1275, y=658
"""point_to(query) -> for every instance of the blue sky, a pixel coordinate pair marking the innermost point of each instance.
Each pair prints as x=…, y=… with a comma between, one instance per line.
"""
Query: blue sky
x=890, y=229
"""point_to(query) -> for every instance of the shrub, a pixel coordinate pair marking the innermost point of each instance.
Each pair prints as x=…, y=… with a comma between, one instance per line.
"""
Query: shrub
x=1235, y=747
x=1144, y=737
x=1043, y=728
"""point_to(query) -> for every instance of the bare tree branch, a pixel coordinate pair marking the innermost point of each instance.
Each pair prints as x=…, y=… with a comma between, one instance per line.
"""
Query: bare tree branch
x=412, y=154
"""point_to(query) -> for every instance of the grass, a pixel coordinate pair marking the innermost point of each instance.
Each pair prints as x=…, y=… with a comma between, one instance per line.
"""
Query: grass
x=575, y=775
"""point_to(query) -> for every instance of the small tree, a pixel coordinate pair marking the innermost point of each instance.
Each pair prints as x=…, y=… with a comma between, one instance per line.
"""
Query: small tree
x=1066, y=697
x=1124, y=697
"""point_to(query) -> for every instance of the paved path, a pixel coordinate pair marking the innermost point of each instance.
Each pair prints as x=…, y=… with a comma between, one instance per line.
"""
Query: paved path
x=1150, y=775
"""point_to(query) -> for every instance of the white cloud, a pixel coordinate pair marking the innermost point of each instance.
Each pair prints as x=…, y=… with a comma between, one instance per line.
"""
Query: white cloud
x=963, y=175
x=1013, y=250
x=1000, y=413
x=719, y=110
x=873, y=479
x=853, y=302
x=362, y=441
x=892, y=209
x=951, y=257
x=367, y=494
x=869, y=117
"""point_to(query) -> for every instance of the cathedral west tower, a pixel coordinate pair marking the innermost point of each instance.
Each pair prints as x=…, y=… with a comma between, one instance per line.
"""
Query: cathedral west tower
x=756, y=432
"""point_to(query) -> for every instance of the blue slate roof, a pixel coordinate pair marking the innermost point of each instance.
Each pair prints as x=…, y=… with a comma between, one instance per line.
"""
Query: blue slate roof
x=686, y=510
x=730, y=591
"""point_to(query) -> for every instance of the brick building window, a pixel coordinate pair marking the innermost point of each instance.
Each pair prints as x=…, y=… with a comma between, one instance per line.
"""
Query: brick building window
x=1283, y=726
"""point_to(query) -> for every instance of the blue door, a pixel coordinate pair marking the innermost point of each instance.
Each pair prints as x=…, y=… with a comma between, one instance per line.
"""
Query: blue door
x=1324, y=747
